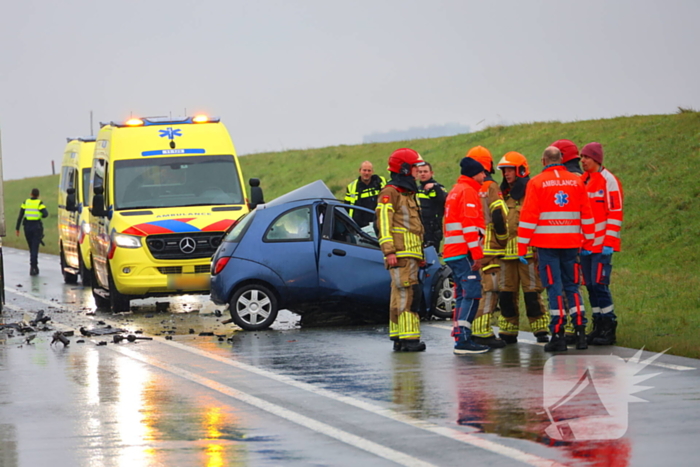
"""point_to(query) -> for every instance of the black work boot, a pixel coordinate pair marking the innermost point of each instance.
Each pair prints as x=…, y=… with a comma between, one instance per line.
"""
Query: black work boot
x=570, y=338
x=581, y=343
x=492, y=341
x=596, y=328
x=34, y=271
x=397, y=344
x=508, y=338
x=607, y=333
x=557, y=343
x=542, y=336
x=412, y=345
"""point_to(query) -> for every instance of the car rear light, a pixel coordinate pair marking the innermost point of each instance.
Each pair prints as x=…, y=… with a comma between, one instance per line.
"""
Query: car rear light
x=220, y=265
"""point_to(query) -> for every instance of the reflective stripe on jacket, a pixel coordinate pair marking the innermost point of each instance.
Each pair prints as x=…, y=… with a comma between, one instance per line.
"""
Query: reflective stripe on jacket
x=32, y=209
x=399, y=224
x=492, y=200
x=605, y=195
x=464, y=220
x=556, y=212
x=511, y=250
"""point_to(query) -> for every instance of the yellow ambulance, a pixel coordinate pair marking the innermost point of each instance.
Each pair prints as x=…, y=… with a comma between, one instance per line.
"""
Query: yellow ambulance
x=73, y=215
x=163, y=191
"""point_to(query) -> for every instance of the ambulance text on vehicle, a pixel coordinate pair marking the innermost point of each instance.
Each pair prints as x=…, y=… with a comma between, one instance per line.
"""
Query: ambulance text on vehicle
x=163, y=193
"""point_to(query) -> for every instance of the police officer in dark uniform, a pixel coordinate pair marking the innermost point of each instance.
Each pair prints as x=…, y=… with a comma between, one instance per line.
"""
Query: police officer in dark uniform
x=31, y=212
x=431, y=196
x=364, y=192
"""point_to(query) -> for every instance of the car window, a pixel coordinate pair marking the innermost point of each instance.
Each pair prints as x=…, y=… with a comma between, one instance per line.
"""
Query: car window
x=294, y=225
x=236, y=233
x=345, y=230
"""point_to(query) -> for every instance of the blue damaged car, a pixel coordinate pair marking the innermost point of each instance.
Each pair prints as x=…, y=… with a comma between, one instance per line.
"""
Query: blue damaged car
x=304, y=253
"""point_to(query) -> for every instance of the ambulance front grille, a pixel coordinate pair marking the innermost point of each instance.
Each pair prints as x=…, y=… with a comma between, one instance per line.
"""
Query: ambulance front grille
x=179, y=246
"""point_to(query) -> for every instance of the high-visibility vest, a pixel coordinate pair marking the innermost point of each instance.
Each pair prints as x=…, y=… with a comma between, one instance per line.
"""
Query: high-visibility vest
x=605, y=195
x=32, y=209
x=556, y=212
x=352, y=196
x=464, y=220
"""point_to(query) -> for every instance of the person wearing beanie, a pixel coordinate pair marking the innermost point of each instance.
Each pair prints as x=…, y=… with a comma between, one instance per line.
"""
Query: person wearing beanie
x=464, y=228
x=570, y=155
x=556, y=218
x=605, y=193
x=495, y=214
x=400, y=232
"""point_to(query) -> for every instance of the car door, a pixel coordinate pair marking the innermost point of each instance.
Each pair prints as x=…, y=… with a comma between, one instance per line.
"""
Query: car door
x=288, y=249
x=351, y=264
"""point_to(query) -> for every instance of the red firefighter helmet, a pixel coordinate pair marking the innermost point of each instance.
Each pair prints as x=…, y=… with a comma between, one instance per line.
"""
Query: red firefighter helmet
x=483, y=156
x=517, y=161
x=568, y=149
x=403, y=159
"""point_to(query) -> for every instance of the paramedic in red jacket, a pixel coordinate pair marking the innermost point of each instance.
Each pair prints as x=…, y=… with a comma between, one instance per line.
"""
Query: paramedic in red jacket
x=605, y=194
x=556, y=218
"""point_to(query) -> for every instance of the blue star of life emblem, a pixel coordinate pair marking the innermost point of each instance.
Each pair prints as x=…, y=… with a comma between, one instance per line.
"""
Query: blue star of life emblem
x=561, y=199
x=170, y=133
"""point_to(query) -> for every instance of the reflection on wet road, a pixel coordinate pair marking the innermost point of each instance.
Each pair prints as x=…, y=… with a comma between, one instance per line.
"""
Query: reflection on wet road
x=293, y=396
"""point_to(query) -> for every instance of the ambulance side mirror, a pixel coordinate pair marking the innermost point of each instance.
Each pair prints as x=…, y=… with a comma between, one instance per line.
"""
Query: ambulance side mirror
x=256, y=193
x=71, y=204
x=98, y=203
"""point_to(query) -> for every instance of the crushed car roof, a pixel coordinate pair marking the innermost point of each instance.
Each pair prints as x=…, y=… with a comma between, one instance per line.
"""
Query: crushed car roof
x=313, y=190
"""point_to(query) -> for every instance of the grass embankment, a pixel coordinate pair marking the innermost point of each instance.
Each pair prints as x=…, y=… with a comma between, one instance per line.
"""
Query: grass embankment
x=656, y=277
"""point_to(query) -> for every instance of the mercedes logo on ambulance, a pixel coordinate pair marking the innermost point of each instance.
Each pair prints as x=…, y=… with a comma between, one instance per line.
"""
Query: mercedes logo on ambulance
x=187, y=245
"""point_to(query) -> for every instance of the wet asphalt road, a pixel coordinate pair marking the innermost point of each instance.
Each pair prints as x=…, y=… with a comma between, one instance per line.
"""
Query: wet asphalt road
x=292, y=396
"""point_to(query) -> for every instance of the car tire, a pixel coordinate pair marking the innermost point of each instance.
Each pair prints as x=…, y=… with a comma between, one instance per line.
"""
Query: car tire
x=444, y=299
x=253, y=307
x=68, y=278
x=100, y=301
x=85, y=273
x=118, y=302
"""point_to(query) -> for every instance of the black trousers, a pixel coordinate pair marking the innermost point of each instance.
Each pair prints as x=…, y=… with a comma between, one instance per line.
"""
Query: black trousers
x=33, y=232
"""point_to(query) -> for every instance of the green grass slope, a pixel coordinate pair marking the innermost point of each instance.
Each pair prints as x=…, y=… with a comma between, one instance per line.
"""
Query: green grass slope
x=656, y=278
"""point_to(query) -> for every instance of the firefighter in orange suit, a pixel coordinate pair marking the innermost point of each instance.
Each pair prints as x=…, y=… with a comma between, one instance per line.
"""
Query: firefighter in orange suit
x=605, y=194
x=556, y=218
x=516, y=175
x=495, y=213
x=401, y=240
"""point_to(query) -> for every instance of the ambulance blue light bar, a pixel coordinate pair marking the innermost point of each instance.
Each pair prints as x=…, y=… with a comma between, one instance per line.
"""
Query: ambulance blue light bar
x=151, y=121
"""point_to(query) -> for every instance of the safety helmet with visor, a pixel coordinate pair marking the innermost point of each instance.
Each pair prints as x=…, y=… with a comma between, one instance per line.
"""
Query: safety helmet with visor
x=402, y=160
x=517, y=161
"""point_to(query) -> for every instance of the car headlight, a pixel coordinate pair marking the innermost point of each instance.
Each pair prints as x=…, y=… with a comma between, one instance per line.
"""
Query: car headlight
x=86, y=228
x=127, y=241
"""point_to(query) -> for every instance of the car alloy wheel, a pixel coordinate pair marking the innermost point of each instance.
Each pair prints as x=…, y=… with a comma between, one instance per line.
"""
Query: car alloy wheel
x=253, y=307
x=444, y=301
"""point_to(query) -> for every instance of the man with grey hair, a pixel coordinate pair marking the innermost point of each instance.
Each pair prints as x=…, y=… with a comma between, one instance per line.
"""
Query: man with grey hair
x=556, y=218
x=364, y=192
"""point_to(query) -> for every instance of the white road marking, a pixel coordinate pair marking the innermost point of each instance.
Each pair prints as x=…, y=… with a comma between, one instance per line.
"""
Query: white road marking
x=670, y=366
x=376, y=409
x=319, y=427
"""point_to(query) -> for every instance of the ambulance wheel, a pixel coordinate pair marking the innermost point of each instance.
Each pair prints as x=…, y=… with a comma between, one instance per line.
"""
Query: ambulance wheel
x=85, y=273
x=444, y=299
x=118, y=302
x=253, y=307
x=68, y=278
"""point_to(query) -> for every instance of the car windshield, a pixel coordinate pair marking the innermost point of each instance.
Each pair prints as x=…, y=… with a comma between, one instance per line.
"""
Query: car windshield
x=176, y=181
x=236, y=233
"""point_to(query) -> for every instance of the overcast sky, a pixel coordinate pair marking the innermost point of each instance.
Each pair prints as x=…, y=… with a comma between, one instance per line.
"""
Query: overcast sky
x=293, y=74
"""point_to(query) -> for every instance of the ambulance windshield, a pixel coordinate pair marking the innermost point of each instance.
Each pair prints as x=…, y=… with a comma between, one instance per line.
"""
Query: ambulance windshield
x=164, y=182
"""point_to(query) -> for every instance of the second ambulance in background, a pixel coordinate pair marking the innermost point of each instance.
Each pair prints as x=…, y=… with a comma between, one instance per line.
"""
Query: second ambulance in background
x=73, y=215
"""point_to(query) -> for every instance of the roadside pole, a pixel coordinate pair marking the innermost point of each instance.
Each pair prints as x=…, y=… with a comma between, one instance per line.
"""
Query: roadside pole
x=2, y=233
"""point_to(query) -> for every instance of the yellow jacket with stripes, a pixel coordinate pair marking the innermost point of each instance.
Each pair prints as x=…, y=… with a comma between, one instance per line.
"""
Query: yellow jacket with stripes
x=399, y=224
